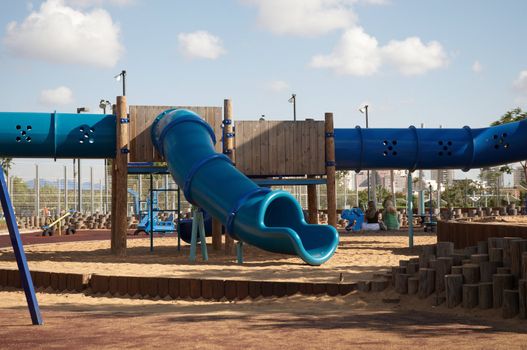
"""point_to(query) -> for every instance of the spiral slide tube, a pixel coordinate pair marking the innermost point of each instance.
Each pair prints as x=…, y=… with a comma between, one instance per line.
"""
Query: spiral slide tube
x=412, y=148
x=270, y=220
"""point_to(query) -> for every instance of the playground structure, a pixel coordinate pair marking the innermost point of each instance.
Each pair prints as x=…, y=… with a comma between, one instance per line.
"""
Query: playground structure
x=271, y=220
x=56, y=226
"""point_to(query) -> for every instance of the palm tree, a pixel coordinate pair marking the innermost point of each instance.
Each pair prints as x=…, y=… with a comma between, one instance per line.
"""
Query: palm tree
x=6, y=164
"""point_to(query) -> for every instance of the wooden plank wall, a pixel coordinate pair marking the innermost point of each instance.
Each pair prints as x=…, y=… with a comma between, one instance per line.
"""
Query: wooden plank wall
x=465, y=234
x=288, y=148
x=141, y=117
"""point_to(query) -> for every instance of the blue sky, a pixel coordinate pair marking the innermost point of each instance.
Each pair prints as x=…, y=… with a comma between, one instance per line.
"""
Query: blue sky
x=452, y=63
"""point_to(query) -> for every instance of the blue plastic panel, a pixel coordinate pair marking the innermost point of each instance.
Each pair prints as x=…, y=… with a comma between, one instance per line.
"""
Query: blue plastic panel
x=54, y=135
x=413, y=148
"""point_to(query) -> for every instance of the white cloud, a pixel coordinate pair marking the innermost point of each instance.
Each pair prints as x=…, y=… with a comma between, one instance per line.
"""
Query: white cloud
x=60, y=96
x=98, y=3
x=60, y=34
x=278, y=86
x=412, y=57
x=200, y=44
x=359, y=53
x=477, y=67
x=304, y=17
x=521, y=82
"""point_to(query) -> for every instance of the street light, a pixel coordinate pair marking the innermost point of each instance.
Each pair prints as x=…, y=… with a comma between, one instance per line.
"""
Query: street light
x=79, y=197
x=122, y=76
x=364, y=110
x=292, y=100
x=103, y=104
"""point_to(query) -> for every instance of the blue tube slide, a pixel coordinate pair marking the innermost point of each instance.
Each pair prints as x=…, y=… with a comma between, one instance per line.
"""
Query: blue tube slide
x=412, y=148
x=270, y=220
x=54, y=135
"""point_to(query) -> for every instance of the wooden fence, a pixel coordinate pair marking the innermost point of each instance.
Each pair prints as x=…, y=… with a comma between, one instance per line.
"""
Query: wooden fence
x=267, y=148
x=141, y=117
x=465, y=234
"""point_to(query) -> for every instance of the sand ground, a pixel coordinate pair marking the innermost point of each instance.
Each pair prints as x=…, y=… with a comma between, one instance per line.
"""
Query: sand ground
x=359, y=256
x=358, y=320
x=355, y=321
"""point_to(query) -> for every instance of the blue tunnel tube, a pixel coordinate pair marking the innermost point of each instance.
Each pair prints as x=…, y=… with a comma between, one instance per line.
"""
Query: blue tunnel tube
x=270, y=220
x=57, y=135
x=412, y=148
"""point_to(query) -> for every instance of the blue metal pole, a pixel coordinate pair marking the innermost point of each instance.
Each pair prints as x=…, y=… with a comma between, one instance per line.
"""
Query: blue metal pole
x=178, y=219
x=18, y=248
x=239, y=252
x=410, y=211
x=202, y=236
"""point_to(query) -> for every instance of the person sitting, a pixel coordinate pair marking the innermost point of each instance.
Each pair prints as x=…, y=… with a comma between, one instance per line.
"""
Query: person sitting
x=372, y=218
x=389, y=216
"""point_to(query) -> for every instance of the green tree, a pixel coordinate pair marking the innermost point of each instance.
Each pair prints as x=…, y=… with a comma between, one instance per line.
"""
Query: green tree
x=514, y=115
x=6, y=164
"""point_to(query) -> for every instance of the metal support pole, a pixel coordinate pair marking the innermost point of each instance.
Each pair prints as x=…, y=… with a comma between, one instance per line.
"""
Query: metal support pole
x=410, y=211
x=92, y=197
x=37, y=193
x=151, y=209
x=79, y=185
x=100, y=197
x=178, y=219
x=74, y=172
x=58, y=199
x=166, y=193
x=105, y=210
x=66, y=188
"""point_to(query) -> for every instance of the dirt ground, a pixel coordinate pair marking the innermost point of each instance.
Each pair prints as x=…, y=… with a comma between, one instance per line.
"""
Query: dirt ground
x=359, y=256
x=356, y=321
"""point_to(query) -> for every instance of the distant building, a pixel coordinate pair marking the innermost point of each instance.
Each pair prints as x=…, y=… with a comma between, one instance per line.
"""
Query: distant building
x=518, y=177
x=383, y=179
x=443, y=176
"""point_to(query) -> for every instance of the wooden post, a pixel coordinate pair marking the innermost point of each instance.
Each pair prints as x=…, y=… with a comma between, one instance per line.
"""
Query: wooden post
x=454, y=290
x=216, y=234
x=228, y=149
x=470, y=296
x=485, y=295
x=312, y=204
x=120, y=181
x=510, y=303
x=330, y=170
x=500, y=282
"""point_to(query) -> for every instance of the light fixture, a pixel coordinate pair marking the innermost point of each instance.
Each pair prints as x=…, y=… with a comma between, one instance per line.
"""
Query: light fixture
x=82, y=110
x=122, y=76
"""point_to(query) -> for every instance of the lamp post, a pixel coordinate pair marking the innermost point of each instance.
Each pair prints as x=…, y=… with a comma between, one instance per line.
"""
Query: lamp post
x=122, y=77
x=292, y=100
x=364, y=110
x=79, y=184
x=103, y=104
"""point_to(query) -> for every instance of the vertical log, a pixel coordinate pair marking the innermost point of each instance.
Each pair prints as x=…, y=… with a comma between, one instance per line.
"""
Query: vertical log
x=510, y=303
x=413, y=285
x=496, y=255
x=445, y=249
x=507, y=250
x=330, y=170
x=500, y=282
x=470, y=273
x=312, y=201
x=485, y=295
x=486, y=270
x=454, y=290
x=443, y=267
x=477, y=258
x=517, y=248
x=228, y=149
x=120, y=181
x=401, y=283
x=524, y=265
x=426, y=282
x=522, y=294
x=470, y=296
